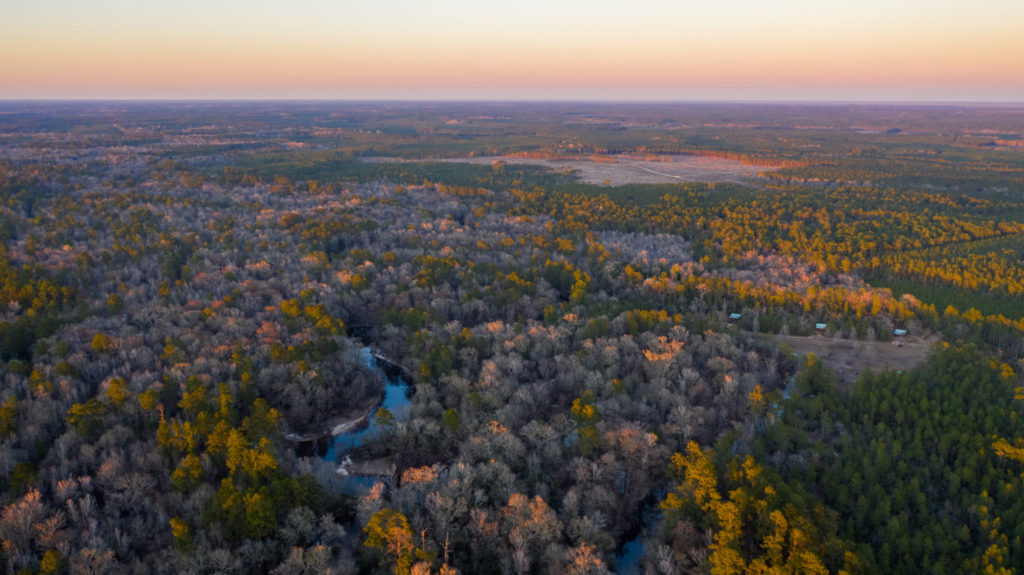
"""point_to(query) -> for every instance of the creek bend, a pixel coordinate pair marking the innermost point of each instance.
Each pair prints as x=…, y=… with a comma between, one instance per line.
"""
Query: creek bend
x=335, y=445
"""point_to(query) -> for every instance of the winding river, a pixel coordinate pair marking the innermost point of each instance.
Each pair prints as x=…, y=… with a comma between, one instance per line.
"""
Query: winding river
x=333, y=448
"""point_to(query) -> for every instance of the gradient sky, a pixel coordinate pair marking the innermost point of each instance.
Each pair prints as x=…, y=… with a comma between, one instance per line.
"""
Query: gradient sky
x=919, y=50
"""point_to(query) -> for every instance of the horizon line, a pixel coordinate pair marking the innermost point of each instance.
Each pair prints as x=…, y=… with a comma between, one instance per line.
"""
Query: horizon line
x=260, y=100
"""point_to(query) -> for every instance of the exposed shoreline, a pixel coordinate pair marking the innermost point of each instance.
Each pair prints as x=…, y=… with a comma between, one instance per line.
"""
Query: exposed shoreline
x=333, y=427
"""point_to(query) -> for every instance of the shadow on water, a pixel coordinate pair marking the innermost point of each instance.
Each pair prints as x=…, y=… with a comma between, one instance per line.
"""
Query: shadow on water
x=627, y=558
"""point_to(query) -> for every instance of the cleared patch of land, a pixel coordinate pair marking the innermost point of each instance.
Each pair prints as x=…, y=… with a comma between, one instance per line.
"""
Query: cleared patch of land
x=626, y=170
x=849, y=358
x=621, y=170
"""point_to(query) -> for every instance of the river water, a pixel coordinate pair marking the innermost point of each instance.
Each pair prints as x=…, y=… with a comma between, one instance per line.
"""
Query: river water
x=628, y=559
x=396, y=400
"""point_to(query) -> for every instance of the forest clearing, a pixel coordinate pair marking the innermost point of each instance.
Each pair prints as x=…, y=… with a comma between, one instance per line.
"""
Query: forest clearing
x=849, y=358
x=623, y=169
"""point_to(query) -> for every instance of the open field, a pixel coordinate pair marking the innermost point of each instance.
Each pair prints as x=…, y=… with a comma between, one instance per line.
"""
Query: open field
x=621, y=170
x=625, y=170
x=849, y=358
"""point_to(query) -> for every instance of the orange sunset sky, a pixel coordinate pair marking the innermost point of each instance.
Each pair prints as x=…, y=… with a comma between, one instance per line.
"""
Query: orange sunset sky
x=891, y=50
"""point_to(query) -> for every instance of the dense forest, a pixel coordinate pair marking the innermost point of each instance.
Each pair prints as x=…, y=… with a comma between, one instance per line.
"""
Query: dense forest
x=600, y=378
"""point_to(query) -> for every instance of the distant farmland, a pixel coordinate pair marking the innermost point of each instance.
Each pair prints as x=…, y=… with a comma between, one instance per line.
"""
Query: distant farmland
x=620, y=170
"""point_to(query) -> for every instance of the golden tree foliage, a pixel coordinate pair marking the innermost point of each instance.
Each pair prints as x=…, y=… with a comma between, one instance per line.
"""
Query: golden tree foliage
x=751, y=515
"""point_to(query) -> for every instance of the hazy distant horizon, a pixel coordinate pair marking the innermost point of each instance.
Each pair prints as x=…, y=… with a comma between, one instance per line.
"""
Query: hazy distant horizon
x=456, y=100
x=651, y=50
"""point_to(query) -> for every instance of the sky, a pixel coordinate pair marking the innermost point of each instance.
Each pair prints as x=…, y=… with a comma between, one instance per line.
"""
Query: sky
x=746, y=50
